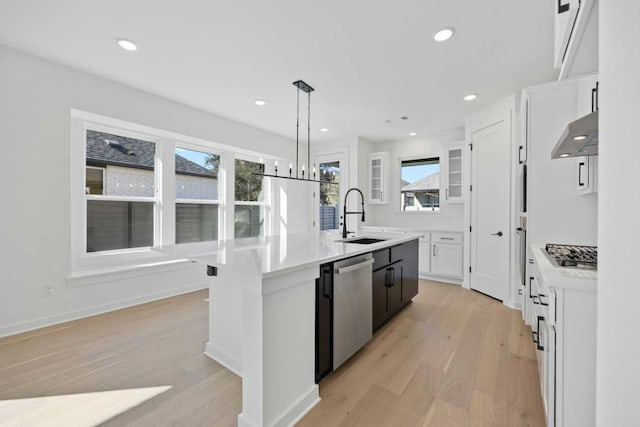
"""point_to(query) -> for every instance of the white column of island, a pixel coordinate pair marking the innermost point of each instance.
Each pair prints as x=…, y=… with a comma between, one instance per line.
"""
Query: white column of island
x=262, y=315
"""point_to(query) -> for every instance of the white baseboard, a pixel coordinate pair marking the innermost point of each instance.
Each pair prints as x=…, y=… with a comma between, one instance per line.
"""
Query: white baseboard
x=42, y=322
x=514, y=304
x=224, y=358
x=443, y=279
x=290, y=416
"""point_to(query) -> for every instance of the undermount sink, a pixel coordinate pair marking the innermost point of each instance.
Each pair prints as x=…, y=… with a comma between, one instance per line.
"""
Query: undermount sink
x=362, y=240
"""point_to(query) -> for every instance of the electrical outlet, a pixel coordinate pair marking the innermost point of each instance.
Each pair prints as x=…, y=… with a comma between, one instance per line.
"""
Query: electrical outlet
x=48, y=291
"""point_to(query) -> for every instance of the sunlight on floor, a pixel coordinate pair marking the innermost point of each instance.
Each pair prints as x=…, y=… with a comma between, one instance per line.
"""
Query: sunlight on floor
x=74, y=410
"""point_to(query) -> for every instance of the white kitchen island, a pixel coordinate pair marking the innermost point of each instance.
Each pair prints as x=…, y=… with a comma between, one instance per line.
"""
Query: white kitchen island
x=262, y=315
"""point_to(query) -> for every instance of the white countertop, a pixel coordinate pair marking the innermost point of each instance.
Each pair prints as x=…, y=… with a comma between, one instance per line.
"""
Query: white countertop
x=274, y=255
x=564, y=277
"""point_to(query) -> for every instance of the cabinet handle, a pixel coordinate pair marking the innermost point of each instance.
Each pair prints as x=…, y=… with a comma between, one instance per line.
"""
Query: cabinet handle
x=520, y=155
x=434, y=250
x=530, y=286
x=597, y=96
x=580, y=166
x=536, y=299
x=446, y=238
x=593, y=99
x=446, y=193
x=538, y=344
x=325, y=292
x=562, y=8
x=390, y=277
x=541, y=301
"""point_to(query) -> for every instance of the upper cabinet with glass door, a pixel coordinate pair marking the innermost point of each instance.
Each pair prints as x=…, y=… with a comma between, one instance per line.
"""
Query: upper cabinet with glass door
x=377, y=192
x=453, y=191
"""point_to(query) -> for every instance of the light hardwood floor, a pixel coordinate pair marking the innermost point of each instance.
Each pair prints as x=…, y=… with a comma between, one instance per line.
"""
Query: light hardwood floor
x=451, y=358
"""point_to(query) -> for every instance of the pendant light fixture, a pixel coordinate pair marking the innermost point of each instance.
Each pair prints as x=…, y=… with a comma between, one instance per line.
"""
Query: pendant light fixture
x=300, y=171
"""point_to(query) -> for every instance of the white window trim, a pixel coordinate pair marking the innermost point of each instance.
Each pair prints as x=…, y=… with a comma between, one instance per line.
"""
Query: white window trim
x=265, y=203
x=397, y=185
x=81, y=259
x=83, y=265
x=221, y=185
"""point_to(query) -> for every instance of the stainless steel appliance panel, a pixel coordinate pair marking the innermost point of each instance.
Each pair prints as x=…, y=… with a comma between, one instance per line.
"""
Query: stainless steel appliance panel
x=352, y=306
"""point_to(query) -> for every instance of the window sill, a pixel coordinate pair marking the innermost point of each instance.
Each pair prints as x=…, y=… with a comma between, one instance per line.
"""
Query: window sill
x=96, y=276
x=418, y=212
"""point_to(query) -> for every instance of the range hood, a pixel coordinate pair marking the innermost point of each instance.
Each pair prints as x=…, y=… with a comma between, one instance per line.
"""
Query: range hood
x=580, y=138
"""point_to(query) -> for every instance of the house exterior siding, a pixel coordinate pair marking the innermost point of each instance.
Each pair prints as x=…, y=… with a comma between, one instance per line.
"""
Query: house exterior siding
x=123, y=181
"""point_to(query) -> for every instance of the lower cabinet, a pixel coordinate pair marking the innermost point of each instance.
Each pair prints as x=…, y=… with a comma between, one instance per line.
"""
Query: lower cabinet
x=380, y=278
x=424, y=263
x=324, y=322
x=395, y=280
x=441, y=254
x=395, y=283
x=446, y=259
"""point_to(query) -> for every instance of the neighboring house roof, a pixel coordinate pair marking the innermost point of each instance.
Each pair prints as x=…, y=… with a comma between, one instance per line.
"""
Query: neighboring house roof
x=106, y=149
x=431, y=182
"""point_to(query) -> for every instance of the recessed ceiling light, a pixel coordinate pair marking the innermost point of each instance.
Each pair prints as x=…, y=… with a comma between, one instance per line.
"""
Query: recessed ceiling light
x=413, y=133
x=579, y=137
x=444, y=34
x=260, y=102
x=324, y=129
x=565, y=155
x=470, y=97
x=127, y=44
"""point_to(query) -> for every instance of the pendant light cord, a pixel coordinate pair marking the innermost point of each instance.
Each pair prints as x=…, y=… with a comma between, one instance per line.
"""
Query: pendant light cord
x=297, y=128
x=309, y=133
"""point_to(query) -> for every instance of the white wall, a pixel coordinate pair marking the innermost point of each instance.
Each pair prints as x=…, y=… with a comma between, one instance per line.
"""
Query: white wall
x=618, y=371
x=557, y=213
x=450, y=216
x=35, y=102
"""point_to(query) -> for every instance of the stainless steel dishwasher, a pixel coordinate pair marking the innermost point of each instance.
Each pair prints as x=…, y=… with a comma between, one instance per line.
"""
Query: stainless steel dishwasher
x=352, y=306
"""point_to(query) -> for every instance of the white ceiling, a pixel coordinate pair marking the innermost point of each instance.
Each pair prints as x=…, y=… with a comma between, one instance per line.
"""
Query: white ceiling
x=369, y=60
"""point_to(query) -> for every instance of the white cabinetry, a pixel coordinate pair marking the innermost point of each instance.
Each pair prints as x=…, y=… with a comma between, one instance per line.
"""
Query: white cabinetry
x=378, y=164
x=453, y=191
x=562, y=307
x=587, y=166
x=424, y=259
x=587, y=170
x=566, y=12
x=576, y=37
x=446, y=254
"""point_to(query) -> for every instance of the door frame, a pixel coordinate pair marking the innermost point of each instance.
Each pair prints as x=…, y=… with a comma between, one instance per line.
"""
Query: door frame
x=505, y=110
x=342, y=156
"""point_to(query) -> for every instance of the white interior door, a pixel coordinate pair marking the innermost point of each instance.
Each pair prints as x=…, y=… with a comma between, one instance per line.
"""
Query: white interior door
x=490, y=207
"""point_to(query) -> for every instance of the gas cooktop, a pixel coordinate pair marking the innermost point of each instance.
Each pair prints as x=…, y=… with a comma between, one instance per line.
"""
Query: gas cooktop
x=573, y=255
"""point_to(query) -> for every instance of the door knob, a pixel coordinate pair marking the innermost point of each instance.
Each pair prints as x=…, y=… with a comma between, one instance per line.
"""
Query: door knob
x=499, y=234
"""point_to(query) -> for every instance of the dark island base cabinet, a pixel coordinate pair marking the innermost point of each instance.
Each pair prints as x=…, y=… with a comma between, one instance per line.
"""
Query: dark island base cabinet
x=395, y=280
x=395, y=283
x=324, y=322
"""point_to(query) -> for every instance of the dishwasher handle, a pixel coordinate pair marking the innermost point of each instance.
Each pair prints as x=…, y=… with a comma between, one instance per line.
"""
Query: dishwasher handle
x=354, y=267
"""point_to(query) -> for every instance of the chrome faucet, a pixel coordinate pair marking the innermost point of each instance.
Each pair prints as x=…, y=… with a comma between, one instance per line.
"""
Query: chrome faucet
x=345, y=213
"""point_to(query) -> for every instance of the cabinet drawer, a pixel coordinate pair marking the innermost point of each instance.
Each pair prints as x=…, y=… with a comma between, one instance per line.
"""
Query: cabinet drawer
x=440, y=237
x=380, y=258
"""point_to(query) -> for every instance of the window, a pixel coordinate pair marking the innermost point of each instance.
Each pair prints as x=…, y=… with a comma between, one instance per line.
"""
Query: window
x=119, y=191
x=250, y=203
x=94, y=182
x=197, y=197
x=420, y=185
